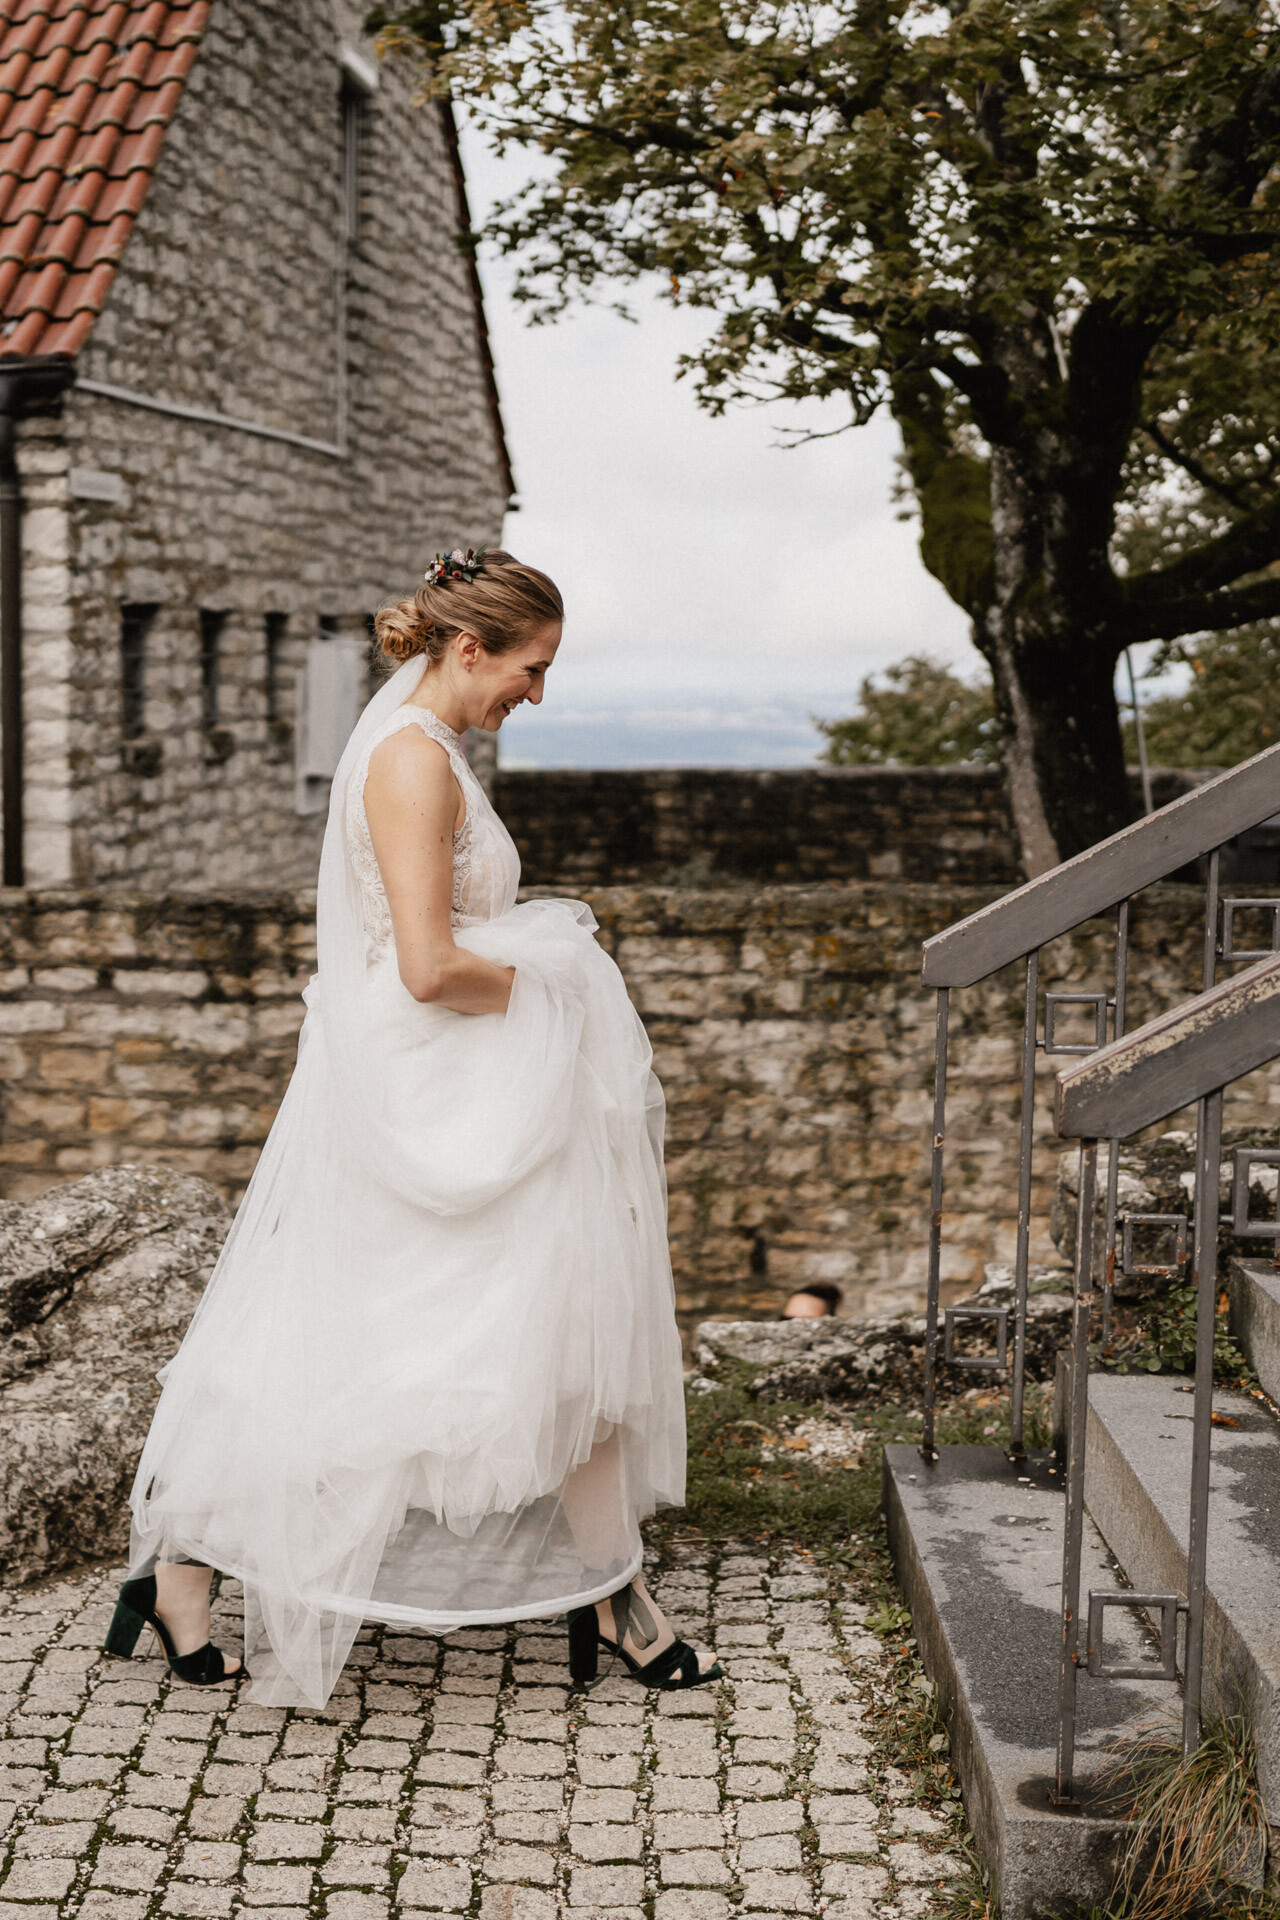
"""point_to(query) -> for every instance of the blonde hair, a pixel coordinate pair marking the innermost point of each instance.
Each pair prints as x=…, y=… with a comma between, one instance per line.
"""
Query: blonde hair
x=503, y=606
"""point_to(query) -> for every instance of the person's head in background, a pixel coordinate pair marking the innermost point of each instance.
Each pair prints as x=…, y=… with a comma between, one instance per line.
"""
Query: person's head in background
x=813, y=1303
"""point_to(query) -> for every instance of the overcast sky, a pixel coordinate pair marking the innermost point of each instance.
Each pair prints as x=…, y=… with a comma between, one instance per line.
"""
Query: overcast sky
x=720, y=588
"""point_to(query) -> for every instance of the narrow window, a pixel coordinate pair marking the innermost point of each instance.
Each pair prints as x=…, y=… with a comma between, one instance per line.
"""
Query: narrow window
x=374, y=661
x=212, y=621
x=276, y=627
x=135, y=623
x=352, y=107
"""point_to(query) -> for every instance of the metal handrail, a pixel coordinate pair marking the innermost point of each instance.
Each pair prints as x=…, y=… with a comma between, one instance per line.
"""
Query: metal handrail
x=1192, y=1053
x=1105, y=874
x=1175, y=1060
x=1016, y=927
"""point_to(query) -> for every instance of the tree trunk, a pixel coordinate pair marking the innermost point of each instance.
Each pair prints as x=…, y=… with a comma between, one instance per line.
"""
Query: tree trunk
x=1062, y=747
x=1053, y=666
x=1019, y=540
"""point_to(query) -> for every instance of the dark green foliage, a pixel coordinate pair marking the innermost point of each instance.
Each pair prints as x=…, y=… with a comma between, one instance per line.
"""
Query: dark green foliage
x=1229, y=711
x=916, y=714
x=735, y=1493
x=1165, y=1341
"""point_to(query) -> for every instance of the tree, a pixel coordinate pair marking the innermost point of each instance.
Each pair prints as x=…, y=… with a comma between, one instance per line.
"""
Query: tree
x=1230, y=708
x=1041, y=232
x=920, y=714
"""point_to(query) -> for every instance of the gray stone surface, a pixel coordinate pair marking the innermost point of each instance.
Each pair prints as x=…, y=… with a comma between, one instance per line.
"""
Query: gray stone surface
x=204, y=1806
x=1137, y=1482
x=1254, y=1287
x=97, y=1283
x=977, y=1543
x=848, y=1360
x=1158, y=1176
x=788, y=1033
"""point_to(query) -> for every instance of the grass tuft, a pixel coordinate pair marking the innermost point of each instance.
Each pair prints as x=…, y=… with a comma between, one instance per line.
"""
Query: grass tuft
x=736, y=1492
x=1195, y=1819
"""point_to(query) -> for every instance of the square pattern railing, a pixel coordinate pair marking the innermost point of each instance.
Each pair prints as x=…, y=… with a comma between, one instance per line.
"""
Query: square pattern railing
x=1135, y=1244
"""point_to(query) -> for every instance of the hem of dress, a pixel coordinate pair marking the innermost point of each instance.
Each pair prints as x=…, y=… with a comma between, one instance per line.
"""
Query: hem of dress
x=440, y=1622
x=435, y=1620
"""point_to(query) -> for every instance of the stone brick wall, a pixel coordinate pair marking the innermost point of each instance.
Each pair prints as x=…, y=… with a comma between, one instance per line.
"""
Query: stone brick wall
x=790, y=1033
x=226, y=301
x=699, y=826
x=706, y=825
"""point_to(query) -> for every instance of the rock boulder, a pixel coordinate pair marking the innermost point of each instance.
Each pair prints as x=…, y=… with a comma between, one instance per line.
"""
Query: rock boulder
x=97, y=1283
x=863, y=1362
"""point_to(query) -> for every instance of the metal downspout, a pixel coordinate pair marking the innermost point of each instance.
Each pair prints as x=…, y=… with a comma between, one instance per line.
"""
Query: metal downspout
x=24, y=382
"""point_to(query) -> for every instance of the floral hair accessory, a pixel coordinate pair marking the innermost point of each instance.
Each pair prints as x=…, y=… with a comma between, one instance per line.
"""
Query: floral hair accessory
x=456, y=565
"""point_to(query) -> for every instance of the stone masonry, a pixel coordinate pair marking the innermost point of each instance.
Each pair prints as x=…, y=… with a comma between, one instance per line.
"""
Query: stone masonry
x=711, y=826
x=790, y=1033
x=229, y=298
x=463, y=1776
x=714, y=826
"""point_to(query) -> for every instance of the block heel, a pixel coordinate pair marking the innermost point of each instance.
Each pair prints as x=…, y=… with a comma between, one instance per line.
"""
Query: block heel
x=584, y=1646
x=123, y=1633
x=136, y=1609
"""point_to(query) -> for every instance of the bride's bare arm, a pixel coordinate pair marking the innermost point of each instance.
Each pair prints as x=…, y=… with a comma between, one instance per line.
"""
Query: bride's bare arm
x=413, y=805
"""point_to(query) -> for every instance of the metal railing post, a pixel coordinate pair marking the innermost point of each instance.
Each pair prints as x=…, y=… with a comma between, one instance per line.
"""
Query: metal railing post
x=1113, y=1146
x=1073, y=1526
x=935, y=1224
x=1208, y=1155
x=1211, y=920
x=1026, y=1148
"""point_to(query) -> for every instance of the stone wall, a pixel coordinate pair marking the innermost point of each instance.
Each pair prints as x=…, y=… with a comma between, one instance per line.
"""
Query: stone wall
x=789, y=1028
x=705, y=825
x=699, y=826
x=227, y=300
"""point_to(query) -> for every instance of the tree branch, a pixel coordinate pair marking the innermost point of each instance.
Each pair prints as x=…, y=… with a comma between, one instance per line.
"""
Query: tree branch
x=997, y=411
x=953, y=490
x=1206, y=613
x=1250, y=545
x=1190, y=465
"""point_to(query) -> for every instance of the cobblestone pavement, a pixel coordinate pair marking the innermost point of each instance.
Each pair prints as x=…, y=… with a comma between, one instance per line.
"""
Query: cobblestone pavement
x=461, y=1776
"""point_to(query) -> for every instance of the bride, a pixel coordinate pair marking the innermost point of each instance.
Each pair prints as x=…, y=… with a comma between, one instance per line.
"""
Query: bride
x=435, y=1379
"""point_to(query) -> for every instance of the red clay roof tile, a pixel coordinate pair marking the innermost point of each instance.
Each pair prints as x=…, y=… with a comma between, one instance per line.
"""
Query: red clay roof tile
x=88, y=89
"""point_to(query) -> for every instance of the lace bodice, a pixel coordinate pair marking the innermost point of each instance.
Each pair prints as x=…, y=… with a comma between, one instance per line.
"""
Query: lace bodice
x=486, y=866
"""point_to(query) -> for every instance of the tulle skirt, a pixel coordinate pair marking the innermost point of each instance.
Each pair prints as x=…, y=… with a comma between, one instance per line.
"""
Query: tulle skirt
x=435, y=1379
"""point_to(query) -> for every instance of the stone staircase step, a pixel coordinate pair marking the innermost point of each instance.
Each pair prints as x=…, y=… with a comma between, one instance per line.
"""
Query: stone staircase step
x=977, y=1544
x=1255, y=1318
x=1137, y=1490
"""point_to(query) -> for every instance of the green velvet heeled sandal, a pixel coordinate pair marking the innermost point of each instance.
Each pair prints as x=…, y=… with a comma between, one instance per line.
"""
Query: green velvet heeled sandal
x=675, y=1668
x=136, y=1609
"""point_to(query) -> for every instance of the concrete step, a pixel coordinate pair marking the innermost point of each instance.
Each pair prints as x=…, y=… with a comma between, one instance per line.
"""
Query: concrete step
x=1137, y=1490
x=977, y=1544
x=1255, y=1318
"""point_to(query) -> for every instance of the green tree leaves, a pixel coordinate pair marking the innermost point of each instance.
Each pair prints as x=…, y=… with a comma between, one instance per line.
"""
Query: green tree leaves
x=1230, y=709
x=919, y=714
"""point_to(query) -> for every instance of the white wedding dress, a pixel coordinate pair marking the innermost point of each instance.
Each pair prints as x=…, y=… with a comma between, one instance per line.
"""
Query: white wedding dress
x=435, y=1379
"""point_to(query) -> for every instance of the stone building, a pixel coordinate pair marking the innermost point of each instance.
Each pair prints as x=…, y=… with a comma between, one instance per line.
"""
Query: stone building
x=244, y=393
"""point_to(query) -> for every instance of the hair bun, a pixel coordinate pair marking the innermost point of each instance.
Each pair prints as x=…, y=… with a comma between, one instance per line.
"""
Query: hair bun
x=404, y=630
